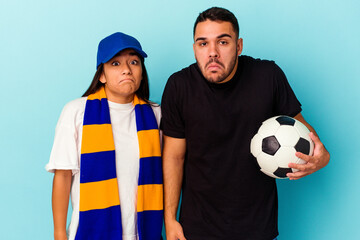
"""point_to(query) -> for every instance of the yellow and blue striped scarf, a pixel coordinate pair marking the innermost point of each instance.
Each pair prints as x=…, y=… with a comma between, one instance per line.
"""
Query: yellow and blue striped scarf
x=100, y=215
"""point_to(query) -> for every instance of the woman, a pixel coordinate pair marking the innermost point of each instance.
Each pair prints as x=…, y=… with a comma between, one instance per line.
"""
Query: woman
x=106, y=152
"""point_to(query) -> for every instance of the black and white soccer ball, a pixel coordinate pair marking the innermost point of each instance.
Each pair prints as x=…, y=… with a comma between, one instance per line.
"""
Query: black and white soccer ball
x=276, y=142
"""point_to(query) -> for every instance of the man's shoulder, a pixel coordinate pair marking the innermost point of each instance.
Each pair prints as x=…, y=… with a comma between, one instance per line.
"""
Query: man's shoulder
x=256, y=62
x=182, y=81
x=185, y=73
x=259, y=67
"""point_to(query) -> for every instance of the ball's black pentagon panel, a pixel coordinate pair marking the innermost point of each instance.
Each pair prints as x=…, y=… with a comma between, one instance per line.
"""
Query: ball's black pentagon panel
x=270, y=145
x=303, y=146
x=284, y=120
x=281, y=172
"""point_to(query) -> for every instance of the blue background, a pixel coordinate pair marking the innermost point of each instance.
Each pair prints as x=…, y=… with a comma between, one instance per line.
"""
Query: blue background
x=48, y=57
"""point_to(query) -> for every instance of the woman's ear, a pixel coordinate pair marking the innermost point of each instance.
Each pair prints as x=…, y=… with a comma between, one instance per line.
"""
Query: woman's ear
x=102, y=78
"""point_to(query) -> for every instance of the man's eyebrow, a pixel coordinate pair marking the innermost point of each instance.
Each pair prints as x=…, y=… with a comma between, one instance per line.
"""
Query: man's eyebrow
x=220, y=36
x=224, y=35
x=200, y=39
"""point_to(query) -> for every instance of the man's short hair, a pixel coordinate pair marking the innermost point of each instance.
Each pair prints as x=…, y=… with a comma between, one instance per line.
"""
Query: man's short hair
x=218, y=14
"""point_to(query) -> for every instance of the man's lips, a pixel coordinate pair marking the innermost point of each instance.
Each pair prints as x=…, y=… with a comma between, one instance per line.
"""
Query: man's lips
x=213, y=67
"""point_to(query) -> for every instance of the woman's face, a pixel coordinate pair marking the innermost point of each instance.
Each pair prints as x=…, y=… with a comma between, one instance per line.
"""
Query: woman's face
x=122, y=76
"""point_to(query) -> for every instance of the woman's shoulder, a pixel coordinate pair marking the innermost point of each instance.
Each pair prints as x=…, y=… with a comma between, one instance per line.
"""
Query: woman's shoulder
x=157, y=110
x=155, y=107
x=75, y=104
x=73, y=110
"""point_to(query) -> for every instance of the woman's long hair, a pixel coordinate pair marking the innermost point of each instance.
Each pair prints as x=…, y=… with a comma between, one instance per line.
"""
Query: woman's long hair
x=143, y=92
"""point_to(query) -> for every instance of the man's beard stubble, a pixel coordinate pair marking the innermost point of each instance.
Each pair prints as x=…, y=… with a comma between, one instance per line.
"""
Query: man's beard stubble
x=222, y=77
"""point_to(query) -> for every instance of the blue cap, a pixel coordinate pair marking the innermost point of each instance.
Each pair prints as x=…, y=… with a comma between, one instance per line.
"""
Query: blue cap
x=116, y=42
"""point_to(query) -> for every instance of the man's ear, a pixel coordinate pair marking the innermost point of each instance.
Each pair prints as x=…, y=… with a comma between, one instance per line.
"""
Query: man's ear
x=239, y=46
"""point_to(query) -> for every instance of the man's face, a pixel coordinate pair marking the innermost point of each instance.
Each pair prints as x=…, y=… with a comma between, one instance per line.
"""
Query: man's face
x=216, y=48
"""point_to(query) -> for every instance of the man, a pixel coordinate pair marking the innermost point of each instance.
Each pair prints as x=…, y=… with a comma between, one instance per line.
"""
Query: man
x=211, y=110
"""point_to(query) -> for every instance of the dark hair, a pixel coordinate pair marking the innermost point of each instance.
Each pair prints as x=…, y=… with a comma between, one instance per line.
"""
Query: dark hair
x=218, y=14
x=142, y=93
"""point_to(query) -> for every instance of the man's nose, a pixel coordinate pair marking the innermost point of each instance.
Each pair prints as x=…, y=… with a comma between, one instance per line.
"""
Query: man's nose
x=213, y=51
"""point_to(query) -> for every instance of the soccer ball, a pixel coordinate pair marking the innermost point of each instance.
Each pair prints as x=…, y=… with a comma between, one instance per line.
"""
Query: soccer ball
x=275, y=144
